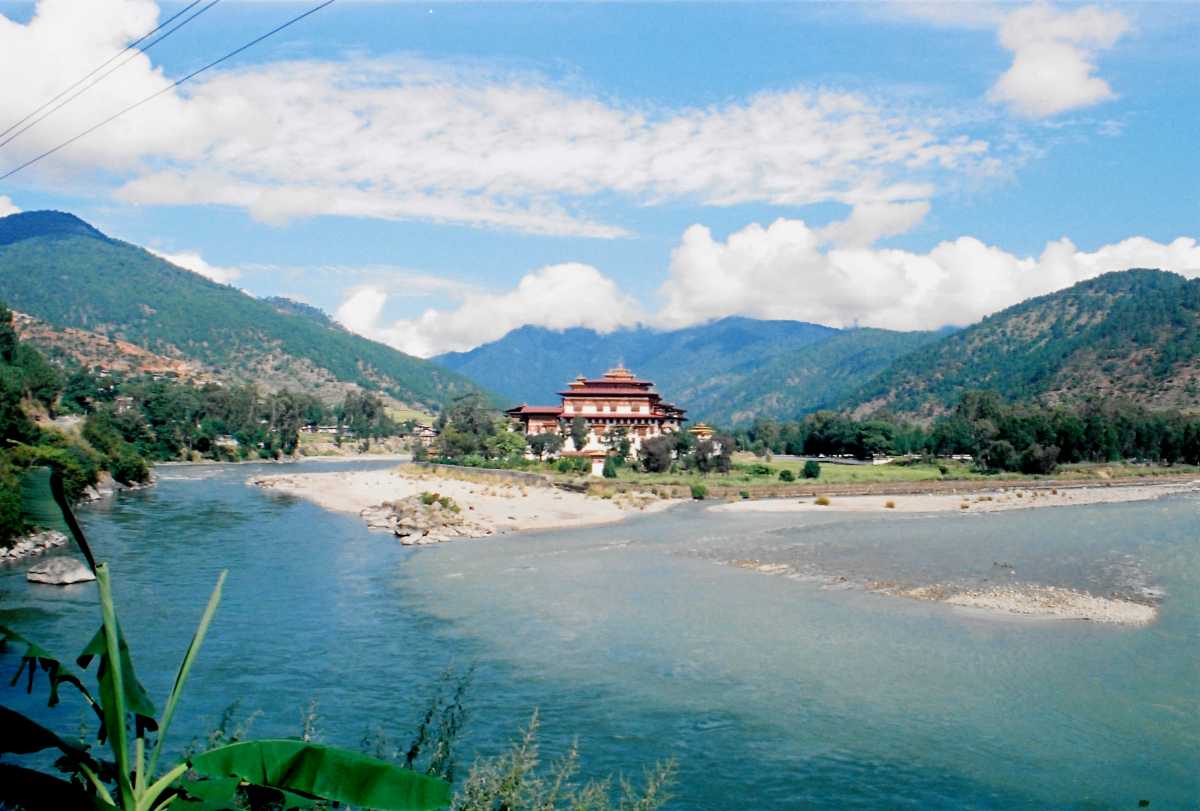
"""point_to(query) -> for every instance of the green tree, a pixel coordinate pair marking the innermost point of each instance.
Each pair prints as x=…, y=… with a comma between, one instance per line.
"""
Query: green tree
x=811, y=469
x=579, y=433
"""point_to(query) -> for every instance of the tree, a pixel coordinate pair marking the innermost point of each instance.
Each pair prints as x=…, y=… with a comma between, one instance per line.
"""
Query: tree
x=657, y=453
x=547, y=444
x=786, y=475
x=811, y=470
x=579, y=433
x=610, y=467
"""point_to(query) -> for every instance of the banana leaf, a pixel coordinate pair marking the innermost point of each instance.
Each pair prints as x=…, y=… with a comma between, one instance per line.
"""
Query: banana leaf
x=324, y=772
x=221, y=794
x=22, y=736
x=25, y=788
x=44, y=504
x=36, y=656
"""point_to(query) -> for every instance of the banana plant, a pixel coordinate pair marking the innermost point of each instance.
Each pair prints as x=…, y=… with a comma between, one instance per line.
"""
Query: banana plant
x=291, y=773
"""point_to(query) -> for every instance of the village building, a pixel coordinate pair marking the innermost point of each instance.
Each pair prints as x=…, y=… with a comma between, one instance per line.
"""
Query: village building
x=613, y=405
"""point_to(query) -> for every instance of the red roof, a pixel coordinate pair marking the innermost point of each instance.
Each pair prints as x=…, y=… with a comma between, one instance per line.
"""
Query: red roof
x=607, y=391
x=530, y=410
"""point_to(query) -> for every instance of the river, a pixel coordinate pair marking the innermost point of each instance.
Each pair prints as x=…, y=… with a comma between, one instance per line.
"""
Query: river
x=770, y=692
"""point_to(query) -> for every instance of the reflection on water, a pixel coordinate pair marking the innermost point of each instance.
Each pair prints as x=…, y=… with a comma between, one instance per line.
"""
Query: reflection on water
x=771, y=692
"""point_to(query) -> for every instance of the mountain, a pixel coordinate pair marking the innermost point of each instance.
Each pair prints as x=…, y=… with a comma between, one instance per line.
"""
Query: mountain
x=60, y=270
x=731, y=370
x=1132, y=334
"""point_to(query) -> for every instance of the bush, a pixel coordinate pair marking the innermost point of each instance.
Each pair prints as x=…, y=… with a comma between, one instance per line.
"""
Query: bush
x=812, y=470
x=786, y=475
x=129, y=468
x=758, y=469
x=565, y=465
x=610, y=467
x=699, y=492
x=821, y=501
x=745, y=494
x=889, y=505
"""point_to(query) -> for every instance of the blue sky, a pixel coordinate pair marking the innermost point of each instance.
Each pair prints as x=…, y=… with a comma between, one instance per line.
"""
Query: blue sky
x=436, y=174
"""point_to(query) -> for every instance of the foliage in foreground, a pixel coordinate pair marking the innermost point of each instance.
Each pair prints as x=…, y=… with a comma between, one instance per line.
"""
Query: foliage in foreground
x=289, y=773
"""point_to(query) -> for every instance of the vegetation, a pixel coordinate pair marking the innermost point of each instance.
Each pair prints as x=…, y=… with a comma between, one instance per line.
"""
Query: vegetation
x=812, y=469
x=1133, y=335
x=61, y=270
x=736, y=368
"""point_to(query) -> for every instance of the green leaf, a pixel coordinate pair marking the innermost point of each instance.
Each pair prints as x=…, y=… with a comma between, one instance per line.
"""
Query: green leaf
x=325, y=772
x=22, y=736
x=25, y=788
x=221, y=794
x=44, y=504
x=36, y=656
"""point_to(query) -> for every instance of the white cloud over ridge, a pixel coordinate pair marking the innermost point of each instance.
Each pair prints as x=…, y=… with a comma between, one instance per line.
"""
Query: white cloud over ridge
x=408, y=139
x=7, y=206
x=557, y=297
x=193, y=261
x=1053, y=58
x=786, y=270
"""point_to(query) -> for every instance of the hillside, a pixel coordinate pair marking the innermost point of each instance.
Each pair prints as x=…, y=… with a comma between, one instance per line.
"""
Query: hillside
x=731, y=370
x=60, y=270
x=1134, y=335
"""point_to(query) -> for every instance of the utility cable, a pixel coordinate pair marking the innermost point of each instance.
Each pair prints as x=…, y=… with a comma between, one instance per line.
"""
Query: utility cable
x=166, y=89
x=101, y=67
x=99, y=78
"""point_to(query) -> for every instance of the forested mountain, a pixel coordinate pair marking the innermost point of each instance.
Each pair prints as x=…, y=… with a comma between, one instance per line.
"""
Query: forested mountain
x=1133, y=335
x=59, y=269
x=731, y=370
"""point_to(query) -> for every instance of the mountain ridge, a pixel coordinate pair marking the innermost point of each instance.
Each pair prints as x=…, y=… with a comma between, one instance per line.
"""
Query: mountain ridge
x=59, y=269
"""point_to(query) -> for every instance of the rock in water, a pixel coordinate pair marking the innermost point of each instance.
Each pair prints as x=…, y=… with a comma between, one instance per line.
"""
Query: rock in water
x=60, y=572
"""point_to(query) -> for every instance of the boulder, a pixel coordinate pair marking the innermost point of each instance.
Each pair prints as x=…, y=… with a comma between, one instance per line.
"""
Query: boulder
x=60, y=571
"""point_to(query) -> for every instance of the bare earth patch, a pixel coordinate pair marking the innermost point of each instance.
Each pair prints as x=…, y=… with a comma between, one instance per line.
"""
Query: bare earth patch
x=1037, y=601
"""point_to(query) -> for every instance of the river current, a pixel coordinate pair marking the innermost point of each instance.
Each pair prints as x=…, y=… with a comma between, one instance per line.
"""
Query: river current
x=635, y=639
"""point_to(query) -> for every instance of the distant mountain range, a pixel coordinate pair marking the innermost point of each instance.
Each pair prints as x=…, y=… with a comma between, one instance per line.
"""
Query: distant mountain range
x=731, y=370
x=57, y=268
x=1133, y=335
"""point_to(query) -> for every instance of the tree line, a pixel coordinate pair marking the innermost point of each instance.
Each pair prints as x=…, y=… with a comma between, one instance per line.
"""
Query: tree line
x=999, y=436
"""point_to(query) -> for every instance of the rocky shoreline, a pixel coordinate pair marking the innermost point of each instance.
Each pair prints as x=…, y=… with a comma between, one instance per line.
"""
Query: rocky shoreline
x=32, y=545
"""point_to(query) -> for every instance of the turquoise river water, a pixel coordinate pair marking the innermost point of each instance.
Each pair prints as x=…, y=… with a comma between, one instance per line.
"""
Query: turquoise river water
x=770, y=692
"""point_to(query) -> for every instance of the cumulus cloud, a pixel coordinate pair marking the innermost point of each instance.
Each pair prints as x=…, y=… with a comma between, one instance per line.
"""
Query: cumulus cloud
x=408, y=139
x=787, y=271
x=1053, y=67
x=190, y=260
x=7, y=206
x=556, y=297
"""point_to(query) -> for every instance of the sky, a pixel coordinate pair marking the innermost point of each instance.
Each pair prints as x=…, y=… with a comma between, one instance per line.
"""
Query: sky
x=437, y=174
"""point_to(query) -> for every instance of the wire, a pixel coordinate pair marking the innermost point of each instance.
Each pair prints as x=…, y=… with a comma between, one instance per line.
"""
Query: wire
x=101, y=67
x=166, y=89
x=99, y=79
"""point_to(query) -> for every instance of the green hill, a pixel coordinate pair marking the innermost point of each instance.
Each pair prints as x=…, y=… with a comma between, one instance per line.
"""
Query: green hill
x=59, y=269
x=1133, y=335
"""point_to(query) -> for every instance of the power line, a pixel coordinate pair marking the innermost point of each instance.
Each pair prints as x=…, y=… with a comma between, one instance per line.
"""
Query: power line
x=166, y=89
x=101, y=67
x=98, y=79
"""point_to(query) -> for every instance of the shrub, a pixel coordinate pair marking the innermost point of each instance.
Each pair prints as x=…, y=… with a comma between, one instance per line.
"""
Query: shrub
x=786, y=475
x=699, y=492
x=942, y=469
x=812, y=469
x=610, y=468
x=745, y=494
x=565, y=465
x=427, y=498
x=821, y=501
x=759, y=469
x=889, y=505
x=129, y=468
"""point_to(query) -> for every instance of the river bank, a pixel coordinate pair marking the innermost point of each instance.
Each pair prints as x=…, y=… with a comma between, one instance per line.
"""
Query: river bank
x=485, y=507
x=938, y=497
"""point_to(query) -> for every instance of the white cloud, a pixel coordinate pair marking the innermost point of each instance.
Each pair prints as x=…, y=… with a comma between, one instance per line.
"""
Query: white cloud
x=7, y=206
x=409, y=139
x=190, y=260
x=556, y=297
x=1053, y=58
x=785, y=271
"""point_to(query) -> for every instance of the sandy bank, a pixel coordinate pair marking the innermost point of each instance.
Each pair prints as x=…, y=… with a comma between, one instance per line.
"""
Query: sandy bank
x=975, y=502
x=491, y=507
x=1038, y=601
